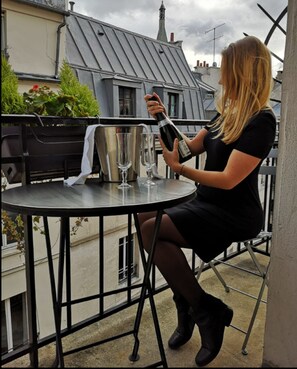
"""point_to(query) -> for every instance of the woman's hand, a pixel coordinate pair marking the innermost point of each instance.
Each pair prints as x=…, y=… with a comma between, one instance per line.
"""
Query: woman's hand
x=171, y=157
x=153, y=106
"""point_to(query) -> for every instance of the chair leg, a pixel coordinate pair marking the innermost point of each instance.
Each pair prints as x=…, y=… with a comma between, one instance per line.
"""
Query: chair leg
x=227, y=289
x=211, y=264
x=200, y=269
x=252, y=321
x=262, y=274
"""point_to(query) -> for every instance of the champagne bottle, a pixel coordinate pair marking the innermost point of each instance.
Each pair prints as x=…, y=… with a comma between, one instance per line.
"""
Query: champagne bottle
x=169, y=132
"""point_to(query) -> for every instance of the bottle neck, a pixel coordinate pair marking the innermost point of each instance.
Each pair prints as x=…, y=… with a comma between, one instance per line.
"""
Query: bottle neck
x=160, y=116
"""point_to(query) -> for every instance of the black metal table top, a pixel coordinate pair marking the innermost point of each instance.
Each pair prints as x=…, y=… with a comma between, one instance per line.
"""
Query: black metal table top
x=96, y=198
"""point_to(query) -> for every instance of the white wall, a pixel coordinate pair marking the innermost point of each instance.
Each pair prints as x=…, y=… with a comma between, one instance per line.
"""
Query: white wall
x=32, y=40
x=280, y=342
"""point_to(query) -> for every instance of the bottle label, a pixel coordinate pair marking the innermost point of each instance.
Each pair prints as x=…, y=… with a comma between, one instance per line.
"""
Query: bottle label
x=169, y=133
x=162, y=123
x=184, y=148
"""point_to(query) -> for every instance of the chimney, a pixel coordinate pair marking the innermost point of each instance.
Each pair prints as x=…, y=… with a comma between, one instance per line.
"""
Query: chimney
x=204, y=63
x=71, y=5
x=171, y=37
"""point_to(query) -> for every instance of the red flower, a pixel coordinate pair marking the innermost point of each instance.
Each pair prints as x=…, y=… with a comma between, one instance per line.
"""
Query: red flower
x=35, y=87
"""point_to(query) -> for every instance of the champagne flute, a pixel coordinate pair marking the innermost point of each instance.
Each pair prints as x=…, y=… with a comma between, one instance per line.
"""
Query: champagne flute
x=124, y=160
x=148, y=156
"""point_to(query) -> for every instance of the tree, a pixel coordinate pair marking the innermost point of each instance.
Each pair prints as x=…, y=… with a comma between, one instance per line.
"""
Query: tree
x=86, y=104
x=11, y=100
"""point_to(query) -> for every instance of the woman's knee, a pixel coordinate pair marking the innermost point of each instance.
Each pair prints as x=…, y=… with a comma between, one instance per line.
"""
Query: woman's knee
x=167, y=232
x=147, y=231
x=143, y=217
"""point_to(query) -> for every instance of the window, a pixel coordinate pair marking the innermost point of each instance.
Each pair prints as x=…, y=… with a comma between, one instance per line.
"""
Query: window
x=14, y=332
x=4, y=242
x=172, y=105
x=123, y=258
x=127, y=101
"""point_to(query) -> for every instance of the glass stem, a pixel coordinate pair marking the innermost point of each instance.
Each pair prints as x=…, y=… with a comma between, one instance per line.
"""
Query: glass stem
x=124, y=175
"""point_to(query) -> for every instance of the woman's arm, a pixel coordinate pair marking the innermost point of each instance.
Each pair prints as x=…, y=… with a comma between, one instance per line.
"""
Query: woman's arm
x=196, y=144
x=238, y=167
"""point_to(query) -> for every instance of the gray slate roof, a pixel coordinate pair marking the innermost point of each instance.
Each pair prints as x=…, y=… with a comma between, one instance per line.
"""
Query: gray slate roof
x=98, y=51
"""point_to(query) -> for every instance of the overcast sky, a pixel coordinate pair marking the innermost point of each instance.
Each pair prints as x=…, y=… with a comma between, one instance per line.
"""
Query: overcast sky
x=195, y=22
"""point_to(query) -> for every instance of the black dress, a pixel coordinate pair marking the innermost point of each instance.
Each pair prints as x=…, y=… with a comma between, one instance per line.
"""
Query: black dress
x=217, y=217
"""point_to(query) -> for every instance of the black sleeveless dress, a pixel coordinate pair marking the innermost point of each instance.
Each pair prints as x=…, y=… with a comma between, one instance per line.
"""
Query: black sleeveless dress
x=216, y=217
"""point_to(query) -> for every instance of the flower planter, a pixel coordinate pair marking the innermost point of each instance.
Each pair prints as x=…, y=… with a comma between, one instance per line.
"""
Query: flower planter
x=52, y=151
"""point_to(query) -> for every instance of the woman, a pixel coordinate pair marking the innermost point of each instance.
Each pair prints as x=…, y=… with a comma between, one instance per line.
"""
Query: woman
x=227, y=207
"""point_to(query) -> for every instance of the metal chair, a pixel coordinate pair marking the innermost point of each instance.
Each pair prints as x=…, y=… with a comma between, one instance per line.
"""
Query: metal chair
x=267, y=174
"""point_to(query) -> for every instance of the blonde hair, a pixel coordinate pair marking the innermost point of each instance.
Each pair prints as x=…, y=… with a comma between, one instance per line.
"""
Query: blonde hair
x=246, y=79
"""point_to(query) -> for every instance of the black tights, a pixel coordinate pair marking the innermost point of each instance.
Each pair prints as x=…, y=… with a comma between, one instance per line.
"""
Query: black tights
x=170, y=259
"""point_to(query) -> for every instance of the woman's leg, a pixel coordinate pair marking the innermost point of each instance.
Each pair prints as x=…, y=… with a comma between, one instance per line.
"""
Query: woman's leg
x=209, y=313
x=169, y=258
x=185, y=323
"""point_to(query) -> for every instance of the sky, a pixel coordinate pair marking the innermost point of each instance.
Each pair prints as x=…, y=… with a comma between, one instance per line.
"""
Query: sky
x=205, y=27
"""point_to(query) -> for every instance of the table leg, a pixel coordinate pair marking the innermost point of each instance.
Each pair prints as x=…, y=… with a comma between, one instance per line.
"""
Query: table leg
x=57, y=294
x=147, y=286
x=59, y=362
x=31, y=291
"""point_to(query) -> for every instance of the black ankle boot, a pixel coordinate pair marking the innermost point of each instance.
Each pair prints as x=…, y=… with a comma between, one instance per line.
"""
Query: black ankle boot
x=211, y=319
x=185, y=325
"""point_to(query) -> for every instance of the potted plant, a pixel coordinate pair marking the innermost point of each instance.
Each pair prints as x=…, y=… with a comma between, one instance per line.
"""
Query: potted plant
x=72, y=100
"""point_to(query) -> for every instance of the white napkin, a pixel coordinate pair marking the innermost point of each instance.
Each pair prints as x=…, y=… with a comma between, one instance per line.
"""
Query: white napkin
x=87, y=159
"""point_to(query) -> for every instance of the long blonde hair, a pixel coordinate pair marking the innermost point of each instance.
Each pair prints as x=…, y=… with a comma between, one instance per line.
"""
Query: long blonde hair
x=246, y=79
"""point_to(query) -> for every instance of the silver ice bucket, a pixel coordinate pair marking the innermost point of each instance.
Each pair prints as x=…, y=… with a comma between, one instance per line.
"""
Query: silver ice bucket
x=106, y=145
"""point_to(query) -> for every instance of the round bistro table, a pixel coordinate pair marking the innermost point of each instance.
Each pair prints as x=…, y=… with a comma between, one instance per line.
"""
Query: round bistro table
x=94, y=198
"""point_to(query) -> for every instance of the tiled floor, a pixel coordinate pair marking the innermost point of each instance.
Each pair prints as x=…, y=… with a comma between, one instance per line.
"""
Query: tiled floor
x=115, y=353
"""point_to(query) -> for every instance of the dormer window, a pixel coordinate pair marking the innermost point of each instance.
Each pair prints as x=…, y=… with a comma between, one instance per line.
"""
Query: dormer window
x=172, y=105
x=127, y=101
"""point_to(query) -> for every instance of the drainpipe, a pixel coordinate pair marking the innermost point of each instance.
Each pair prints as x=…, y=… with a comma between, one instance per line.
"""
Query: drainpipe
x=58, y=47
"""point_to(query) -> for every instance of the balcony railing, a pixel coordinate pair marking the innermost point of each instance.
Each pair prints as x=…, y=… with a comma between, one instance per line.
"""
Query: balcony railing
x=21, y=162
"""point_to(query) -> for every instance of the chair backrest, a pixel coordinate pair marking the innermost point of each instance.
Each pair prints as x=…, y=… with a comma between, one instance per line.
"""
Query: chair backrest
x=267, y=173
x=268, y=167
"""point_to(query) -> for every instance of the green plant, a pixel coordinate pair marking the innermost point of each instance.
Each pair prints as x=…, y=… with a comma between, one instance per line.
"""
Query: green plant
x=43, y=101
x=86, y=104
x=11, y=101
x=73, y=99
x=13, y=226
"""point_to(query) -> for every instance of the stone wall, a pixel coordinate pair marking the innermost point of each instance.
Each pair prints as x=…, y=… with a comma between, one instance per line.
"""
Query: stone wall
x=281, y=322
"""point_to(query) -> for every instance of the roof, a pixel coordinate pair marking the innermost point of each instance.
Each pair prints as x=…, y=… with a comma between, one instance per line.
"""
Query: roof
x=99, y=51
x=98, y=46
x=57, y=6
x=205, y=86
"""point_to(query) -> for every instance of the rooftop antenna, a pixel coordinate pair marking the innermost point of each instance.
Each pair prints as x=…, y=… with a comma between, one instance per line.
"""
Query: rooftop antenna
x=214, y=41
